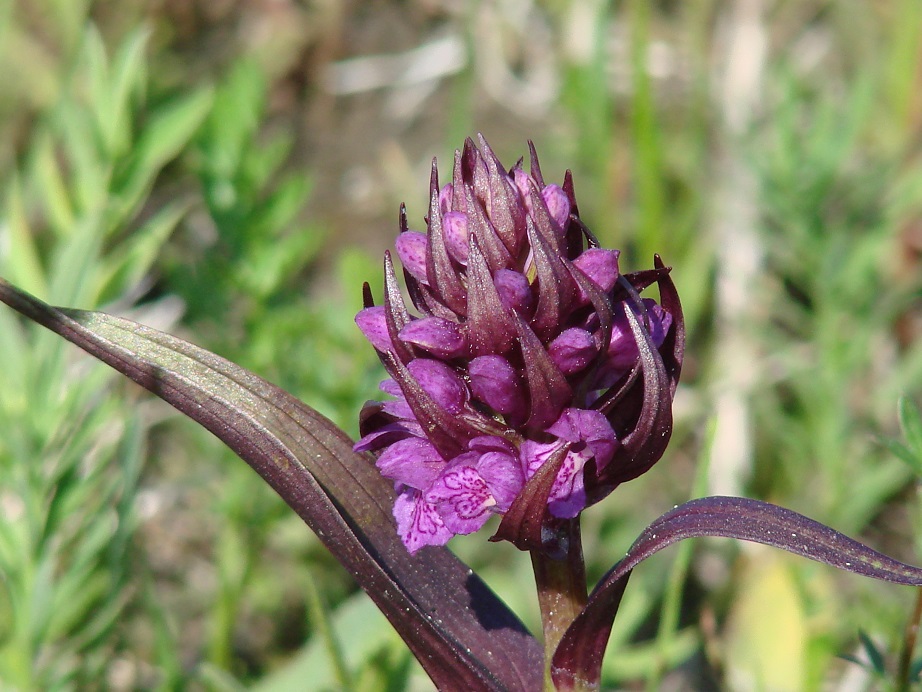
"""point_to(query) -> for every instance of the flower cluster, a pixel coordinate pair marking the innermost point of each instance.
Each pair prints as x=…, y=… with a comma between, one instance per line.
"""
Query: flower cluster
x=535, y=374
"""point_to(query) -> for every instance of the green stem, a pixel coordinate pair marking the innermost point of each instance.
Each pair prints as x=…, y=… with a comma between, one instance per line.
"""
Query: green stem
x=561, y=587
x=904, y=667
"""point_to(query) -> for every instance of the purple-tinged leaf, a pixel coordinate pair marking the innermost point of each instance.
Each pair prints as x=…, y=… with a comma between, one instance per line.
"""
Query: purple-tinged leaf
x=460, y=632
x=578, y=660
x=649, y=435
x=503, y=209
x=576, y=230
x=443, y=278
x=640, y=280
x=524, y=524
x=534, y=165
x=673, y=348
x=556, y=288
x=491, y=327
x=546, y=385
x=490, y=244
x=445, y=430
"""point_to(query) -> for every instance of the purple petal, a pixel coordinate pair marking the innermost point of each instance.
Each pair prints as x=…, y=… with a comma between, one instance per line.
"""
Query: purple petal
x=441, y=382
x=557, y=204
x=399, y=408
x=462, y=498
x=622, y=351
x=373, y=324
x=523, y=183
x=497, y=384
x=588, y=428
x=445, y=196
x=491, y=443
x=503, y=475
x=412, y=247
x=387, y=435
x=533, y=455
x=455, y=231
x=601, y=266
x=390, y=386
x=514, y=291
x=413, y=462
x=568, y=496
x=418, y=522
x=437, y=335
x=573, y=350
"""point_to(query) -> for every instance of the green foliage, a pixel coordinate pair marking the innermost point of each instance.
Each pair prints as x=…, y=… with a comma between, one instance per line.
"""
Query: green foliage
x=833, y=306
x=909, y=451
x=257, y=249
x=71, y=447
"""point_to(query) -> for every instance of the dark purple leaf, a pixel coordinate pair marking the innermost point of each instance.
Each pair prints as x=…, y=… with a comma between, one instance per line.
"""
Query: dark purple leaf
x=578, y=660
x=650, y=431
x=673, y=348
x=460, y=632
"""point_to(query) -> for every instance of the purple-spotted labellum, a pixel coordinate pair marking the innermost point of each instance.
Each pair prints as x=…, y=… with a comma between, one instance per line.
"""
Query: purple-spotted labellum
x=534, y=378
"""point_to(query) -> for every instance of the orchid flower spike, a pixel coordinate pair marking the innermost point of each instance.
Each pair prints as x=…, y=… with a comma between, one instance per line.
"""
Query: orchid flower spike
x=533, y=377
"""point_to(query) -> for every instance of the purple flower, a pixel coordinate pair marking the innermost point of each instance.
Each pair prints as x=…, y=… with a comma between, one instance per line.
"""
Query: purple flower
x=533, y=379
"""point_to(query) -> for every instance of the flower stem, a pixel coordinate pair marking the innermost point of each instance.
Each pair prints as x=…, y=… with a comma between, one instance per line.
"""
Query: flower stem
x=903, y=671
x=561, y=583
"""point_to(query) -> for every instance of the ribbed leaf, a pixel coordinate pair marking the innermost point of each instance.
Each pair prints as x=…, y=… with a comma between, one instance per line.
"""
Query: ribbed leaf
x=578, y=660
x=462, y=634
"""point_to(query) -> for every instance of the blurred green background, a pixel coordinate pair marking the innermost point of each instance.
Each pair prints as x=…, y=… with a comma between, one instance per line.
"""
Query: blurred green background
x=230, y=171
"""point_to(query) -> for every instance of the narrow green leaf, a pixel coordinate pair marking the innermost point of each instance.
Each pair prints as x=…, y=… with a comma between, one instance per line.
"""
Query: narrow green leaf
x=128, y=76
x=873, y=653
x=48, y=176
x=911, y=425
x=164, y=136
x=129, y=262
x=20, y=256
